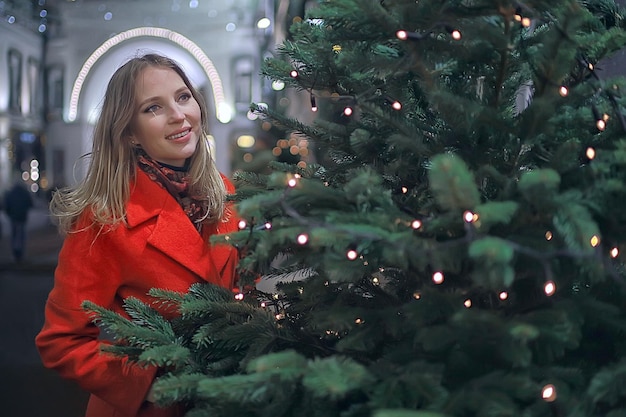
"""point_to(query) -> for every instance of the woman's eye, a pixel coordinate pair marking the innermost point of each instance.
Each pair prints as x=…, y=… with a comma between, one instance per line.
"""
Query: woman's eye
x=185, y=97
x=151, y=109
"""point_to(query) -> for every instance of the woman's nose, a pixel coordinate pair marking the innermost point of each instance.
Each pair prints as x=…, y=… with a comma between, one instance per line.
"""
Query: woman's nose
x=176, y=112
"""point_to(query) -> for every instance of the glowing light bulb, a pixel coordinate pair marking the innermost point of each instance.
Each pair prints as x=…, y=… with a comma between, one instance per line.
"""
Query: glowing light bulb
x=417, y=295
x=405, y=190
x=590, y=153
x=303, y=239
x=292, y=182
x=416, y=224
x=549, y=235
x=468, y=216
x=548, y=393
x=352, y=254
x=614, y=253
x=242, y=224
x=526, y=22
x=402, y=35
x=293, y=74
x=438, y=277
x=348, y=111
x=396, y=105
x=601, y=125
x=456, y=35
x=563, y=91
x=468, y=303
x=239, y=296
x=594, y=241
x=268, y=226
x=549, y=288
x=263, y=304
x=359, y=321
x=503, y=295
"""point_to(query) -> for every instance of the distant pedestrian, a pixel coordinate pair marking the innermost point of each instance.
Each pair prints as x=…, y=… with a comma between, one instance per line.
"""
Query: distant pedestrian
x=17, y=204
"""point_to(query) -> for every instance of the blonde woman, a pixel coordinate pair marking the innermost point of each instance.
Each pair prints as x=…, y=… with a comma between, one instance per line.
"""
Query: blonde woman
x=141, y=219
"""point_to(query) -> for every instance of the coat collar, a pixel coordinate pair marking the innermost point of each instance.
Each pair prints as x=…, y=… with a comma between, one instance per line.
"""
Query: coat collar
x=172, y=232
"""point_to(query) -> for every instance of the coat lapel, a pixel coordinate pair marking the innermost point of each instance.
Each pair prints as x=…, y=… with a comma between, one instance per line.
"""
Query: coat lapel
x=173, y=234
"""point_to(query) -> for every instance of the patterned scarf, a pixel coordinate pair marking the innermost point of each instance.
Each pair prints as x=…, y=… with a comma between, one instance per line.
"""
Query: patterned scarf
x=176, y=181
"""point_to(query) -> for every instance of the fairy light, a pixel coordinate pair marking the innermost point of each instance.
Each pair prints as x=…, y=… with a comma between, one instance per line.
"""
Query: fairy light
x=468, y=303
x=293, y=74
x=239, y=296
x=268, y=226
x=438, y=277
x=396, y=105
x=263, y=304
x=313, y=104
x=242, y=224
x=549, y=288
x=503, y=295
x=468, y=216
x=352, y=254
x=590, y=152
x=303, y=238
x=404, y=190
x=594, y=241
x=548, y=393
x=359, y=321
x=456, y=34
x=417, y=295
x=614, y=253
x=403, y=35
x=416, y=224
x=526, y=22
x=348, y=111
x=549, y=235
x=601, y=125
x=563, y=91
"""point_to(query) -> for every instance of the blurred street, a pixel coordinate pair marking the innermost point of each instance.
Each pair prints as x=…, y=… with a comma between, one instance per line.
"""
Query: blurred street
x=30, y=390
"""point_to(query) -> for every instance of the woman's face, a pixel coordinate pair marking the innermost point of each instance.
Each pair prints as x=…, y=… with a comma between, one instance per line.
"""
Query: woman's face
x=167, y=121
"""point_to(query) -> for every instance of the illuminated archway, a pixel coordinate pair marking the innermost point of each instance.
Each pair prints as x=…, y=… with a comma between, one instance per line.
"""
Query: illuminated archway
x=222, y=109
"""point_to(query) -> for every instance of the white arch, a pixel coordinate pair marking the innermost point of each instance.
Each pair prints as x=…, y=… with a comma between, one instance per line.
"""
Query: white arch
x=222, y=108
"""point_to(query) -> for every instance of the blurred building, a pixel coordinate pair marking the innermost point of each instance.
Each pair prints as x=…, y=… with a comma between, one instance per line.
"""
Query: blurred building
x=57, y=56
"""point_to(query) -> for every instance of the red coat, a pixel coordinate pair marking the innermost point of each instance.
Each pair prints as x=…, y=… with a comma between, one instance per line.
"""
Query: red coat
x=159, y=248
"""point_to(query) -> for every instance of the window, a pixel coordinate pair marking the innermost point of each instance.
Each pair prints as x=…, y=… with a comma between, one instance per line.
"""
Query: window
x=15, y=80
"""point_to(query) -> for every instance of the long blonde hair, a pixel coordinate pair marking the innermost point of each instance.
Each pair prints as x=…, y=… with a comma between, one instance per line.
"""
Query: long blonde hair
x=105, y=190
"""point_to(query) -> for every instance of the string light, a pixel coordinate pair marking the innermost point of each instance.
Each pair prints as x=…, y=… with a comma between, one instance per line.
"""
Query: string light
x=526, y=22
x=359, y=321
x=438, y=277
x=456, y=34
x=404, y=190
x=263, y=304
x=239, y=296
x=614, y=253
x=563, y=91
x=549, y=288
x=268, y=225
x=416, y=224
x=303, y=239
x=348, y=111
x=549, y=235
x=595, y=241
x=548, y=393
x=591, y=153
x=313, y=104
x=352, y=254
x=417, y=295
x=293, y=74
x=403, y=35
x=396, y=105
x=242, y=224
x=468, y=303
x=469, y=217
x=503, y=295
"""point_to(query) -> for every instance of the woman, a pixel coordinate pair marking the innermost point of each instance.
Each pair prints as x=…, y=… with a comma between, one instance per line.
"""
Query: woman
x=141, y=219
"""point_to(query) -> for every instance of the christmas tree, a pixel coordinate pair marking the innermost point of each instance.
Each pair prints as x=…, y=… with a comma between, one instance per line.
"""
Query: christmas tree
x=456, y=248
